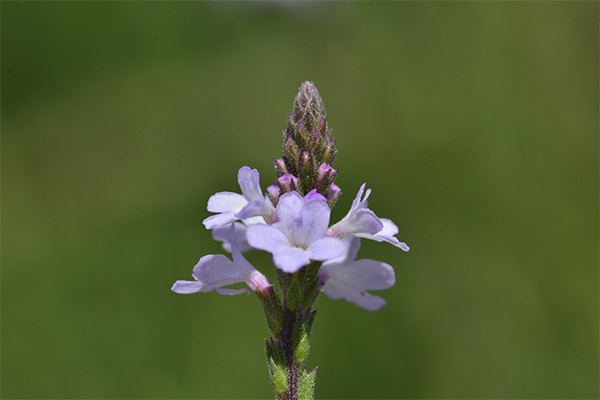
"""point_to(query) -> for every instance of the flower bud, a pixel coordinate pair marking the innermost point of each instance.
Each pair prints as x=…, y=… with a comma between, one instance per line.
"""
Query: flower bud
x=287, y=183
x=325, y=177
x=273, y=193
x=291, y=152
x=280, y=166
x=259, y=283
x=306, y=171
x=333, y=194
x=308, y=106
x=329, y=151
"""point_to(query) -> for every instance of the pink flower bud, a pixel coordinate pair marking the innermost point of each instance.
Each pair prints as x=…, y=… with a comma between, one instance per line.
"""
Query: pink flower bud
x=287, y=183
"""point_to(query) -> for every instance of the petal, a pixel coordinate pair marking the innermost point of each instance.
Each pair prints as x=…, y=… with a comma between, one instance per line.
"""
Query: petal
x=313, y=194
x=248, y=180
x=266, y=237
x=223, y=234
x=326, y=249
x=187, y=287
x=227, y=202
x=356, y=201
x=291, y=259
x=237, y=256
x=232, y=292
x=216, y=221
x=362, y=274
x=362, y=299
x=288, y=213
x=384, y=238
x=361, y=221
x=389, y=228
x=256, y=208
x=315, y=219
x=216, y=271
x=352, y=245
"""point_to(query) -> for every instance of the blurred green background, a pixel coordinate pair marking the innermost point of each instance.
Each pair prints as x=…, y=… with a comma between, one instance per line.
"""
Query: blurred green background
x=475, y=124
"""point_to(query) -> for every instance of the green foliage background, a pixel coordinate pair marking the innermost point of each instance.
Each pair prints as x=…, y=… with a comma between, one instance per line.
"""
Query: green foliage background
x=475, y=124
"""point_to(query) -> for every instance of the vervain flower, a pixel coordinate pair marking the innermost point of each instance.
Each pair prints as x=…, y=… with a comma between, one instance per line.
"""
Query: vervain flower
x=349, y=279
x=291, y=222
x=362, y=222
x=215, y=271
x=233, y=206
x=299, y=234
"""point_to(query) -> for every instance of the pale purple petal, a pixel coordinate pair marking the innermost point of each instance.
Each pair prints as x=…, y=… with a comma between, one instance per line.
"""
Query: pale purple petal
x=232, y=292
x=359, y=202
x=389, y=228
x=237, y=256
x=291, y=259
x=288, y=213
x=223, y=234
x=313, y=194
x=256, y=208
x=314, y=221
x=362, y=274
x=187, y=287
x=326, y=249
x=226, y=202
x=266, y=237
x=362, y=299
x=351, y=280
x=218, y=220
x=351, y=245
x=389, y=239
x=248, y=180
x=386, y=235
x=361, y=221
x=216, y=270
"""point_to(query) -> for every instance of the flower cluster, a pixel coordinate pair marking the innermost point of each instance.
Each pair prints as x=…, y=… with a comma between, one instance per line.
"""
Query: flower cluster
x=295, y=231
x=291, y=221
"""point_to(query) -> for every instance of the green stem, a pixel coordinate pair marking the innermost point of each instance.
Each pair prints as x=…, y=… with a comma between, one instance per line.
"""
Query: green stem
x=290, y=323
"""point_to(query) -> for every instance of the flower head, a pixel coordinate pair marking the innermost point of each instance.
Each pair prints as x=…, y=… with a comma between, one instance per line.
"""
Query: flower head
x=299, y=235
x=349, y=279
x=234, y=206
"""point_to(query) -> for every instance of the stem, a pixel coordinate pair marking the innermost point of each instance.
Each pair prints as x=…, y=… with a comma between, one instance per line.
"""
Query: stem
x=287, y=333
x=290, y=323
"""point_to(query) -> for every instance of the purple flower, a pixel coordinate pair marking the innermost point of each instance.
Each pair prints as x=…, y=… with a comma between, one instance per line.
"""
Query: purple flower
x=215, y=271
x=233, y=206
x=349, y=279
x=299, y=234
x=362, y=222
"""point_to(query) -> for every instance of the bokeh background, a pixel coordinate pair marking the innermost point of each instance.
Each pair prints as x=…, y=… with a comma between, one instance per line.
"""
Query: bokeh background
x=475, y=124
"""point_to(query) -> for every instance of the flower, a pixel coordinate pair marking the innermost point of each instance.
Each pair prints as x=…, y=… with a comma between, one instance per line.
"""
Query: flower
x=349, y=279
x=215, y=271
x=233, y=206
x=362, y=222
x=299, y=234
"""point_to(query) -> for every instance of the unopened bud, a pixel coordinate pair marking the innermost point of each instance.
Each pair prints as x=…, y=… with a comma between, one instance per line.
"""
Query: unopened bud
x=291, y=153
x=280, y=166
x=259, y=283
x=329, y=151
x=308, y=106
x=306, y=171
x=273, y=193
x=333, y=194
x=325, y=177
x=287, y=183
